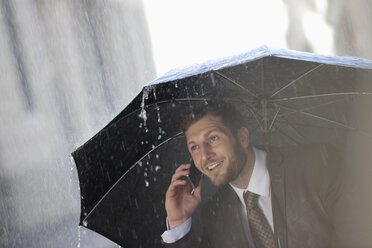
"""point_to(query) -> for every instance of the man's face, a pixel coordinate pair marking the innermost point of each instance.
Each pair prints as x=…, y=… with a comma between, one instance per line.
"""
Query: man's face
x=215, y=150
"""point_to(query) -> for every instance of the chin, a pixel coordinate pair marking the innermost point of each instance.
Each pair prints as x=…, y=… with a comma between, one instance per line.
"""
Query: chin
x=219, y=181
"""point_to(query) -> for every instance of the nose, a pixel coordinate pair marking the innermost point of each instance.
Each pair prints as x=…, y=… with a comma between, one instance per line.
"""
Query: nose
x=206, y=152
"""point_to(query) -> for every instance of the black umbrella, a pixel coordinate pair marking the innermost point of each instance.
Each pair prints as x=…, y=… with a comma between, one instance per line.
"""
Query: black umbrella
x=288, y=98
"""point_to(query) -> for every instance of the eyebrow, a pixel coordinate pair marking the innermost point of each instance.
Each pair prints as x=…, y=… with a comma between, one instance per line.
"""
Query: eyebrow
x=208, y=133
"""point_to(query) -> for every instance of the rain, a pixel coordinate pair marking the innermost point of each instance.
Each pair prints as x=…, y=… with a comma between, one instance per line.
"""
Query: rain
x=69, y=67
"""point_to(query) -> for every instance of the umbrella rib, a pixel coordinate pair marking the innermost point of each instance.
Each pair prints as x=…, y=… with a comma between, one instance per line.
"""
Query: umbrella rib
x=319, y=95
x=294, y=111
x=255, y=116
x=295, y=129
x=167, y=101
x=288, y=136
x=275, y=116
x=294, y=81
x=302, y=124
x=237, y=84
x=331, y=121
x=160, y=144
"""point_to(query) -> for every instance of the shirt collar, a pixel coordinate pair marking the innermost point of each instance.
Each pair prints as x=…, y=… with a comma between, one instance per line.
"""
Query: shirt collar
x=260, y=179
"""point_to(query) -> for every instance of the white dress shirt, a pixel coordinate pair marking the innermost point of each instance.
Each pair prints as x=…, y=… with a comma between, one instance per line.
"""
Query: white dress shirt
x=259, y=184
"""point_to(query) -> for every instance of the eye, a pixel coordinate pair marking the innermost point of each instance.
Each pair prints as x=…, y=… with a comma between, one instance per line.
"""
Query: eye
x=214, y=138
x=194, y=147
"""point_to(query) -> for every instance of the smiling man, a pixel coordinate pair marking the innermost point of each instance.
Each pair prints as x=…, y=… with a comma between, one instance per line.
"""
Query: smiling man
x=263, y=201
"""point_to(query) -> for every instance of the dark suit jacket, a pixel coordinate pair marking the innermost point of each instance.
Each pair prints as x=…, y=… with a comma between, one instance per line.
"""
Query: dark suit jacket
x=305, y=186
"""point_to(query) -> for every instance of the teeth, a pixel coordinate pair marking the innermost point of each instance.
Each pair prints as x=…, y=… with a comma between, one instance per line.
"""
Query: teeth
x=213, y=166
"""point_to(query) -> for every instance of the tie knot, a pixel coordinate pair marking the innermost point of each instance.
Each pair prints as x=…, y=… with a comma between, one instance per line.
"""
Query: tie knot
x=251, y=199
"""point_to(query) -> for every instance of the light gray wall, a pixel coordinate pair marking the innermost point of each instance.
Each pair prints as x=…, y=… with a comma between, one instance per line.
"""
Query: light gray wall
x=66, y=68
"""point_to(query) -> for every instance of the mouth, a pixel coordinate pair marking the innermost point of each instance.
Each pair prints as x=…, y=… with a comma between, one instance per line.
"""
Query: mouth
x=214, y=166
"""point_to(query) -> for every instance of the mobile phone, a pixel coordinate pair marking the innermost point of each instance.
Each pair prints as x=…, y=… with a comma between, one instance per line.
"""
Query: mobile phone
x=193, y=177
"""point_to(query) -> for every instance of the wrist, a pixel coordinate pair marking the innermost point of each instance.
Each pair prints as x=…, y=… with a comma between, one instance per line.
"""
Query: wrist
x=175, y=223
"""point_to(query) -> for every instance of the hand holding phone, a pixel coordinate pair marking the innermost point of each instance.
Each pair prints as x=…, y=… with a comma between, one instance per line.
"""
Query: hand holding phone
x=183, y=196
x=193, y=177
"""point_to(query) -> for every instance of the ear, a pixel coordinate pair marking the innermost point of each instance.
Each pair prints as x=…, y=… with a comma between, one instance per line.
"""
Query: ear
x=243, y=137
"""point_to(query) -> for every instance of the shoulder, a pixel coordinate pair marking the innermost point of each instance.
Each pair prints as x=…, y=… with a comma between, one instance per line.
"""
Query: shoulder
x=310, y=156
x=317, y=166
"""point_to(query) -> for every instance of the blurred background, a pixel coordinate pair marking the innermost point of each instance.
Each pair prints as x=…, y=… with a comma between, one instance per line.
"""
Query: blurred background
x=68, y=67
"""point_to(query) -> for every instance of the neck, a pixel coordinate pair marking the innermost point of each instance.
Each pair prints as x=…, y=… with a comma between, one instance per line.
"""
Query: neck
x=244, y=177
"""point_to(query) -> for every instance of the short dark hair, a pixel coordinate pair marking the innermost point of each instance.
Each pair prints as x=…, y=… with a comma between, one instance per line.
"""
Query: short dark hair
x=229, y=115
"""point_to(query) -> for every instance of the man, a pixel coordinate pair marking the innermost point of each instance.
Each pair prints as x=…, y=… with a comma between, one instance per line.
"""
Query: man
x=285, y=199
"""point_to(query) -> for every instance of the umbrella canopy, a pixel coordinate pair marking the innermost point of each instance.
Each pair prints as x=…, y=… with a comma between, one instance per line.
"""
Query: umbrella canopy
x=287, y=97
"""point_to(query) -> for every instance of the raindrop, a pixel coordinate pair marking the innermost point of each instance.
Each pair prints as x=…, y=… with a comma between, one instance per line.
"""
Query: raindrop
x=85, y=223
x=154, y=93
x=158, y=112
x=135, y=202
x=157, y=155
x=213, y=78
x=152, y=146
x=145, y=96
x=173, y=105
x=159, y=137
x=147, y=183
x=142, y=143
x=140, y=125
x=79, y=237
x=72, y=168
x=176, y=85
x=143, y=115
x=154, y=179
x=157, y=168
x=145, y=174
x=140, y=163
x=146, y=141
x=72, y=159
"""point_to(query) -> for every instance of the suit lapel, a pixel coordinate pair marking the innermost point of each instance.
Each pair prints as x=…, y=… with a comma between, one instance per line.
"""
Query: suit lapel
x=230, y=216
x=277, y=177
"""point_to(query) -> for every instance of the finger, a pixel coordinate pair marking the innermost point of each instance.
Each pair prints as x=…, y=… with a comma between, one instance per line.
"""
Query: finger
x=183, y=167
x=179, y=174
x=176, y=187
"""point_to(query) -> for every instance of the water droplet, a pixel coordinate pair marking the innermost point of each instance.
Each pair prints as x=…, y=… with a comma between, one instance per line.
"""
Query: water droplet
x=147, y=183
x=157, y=168
x=157, y=155
x=159, y=137
x=145, y=174
x=79, y=237
x=85, y=223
